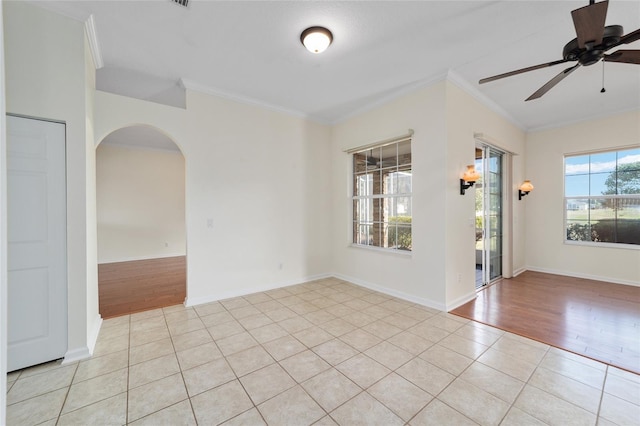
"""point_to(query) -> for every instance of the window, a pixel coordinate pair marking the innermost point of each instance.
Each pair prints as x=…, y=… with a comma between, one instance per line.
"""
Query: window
x=602, y=197
x=382, y=196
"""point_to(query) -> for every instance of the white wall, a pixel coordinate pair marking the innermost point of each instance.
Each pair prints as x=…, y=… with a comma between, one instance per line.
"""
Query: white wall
x=141, y=203
x=419, y=275
x=546, y=250
x=465, y=117
x=440, y=271
x=259, y=176
x=45, y=77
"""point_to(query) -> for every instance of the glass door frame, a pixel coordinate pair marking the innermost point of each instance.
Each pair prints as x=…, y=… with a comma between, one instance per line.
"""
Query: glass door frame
x=493, y=222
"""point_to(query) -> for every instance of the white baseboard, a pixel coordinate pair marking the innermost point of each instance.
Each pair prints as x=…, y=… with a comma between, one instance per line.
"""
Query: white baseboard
x=585, y=276
x=193, y=301
x=93, y=334
x=461, y=300
x=400, y=295
x=136, y=258
x=85, y=352
x=518, y=272
x=75, y=355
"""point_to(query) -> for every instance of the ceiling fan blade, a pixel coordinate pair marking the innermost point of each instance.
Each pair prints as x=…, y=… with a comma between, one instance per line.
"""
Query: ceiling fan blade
x=551, y=83
x=626, y=56
x=520, y=71
x=630, y=38
x=589, y=22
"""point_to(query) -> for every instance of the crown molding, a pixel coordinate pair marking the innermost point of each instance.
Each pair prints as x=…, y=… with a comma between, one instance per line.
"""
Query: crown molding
x=404, y=90
x=455, y=78
x=94, y=46
x=592, y=117
x=197, y=87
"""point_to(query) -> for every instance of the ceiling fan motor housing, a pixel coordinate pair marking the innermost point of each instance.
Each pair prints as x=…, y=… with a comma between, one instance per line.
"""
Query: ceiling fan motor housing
x=591, y=54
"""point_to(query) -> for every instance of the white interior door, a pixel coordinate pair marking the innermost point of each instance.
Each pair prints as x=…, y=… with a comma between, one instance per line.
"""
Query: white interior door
x=36, y=222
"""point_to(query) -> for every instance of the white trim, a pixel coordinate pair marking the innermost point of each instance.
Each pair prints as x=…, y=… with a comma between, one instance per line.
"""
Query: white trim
x=451, y=76
x=133, y=259
x=454, y=78
x=75, y=355
x=461, y=300
x=518, y=272
x=396, y=139
x=193, y=301
x=78, y=354
x=401, y=91
x=388, y=291
x=3, y=231
x=488, y=140
x=142, y=147
x=599, y=151
x=623, y=246
x=586, y=276
x=592, y=117
x=197, y=87
x=383, y=250
x=94, y=46
x=93, y=334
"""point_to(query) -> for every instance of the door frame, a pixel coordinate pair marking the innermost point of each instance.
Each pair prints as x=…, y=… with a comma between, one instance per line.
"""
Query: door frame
x=507, y=201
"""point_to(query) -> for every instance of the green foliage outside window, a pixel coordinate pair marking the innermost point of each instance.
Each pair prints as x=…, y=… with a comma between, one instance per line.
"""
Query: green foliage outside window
x=402, y=231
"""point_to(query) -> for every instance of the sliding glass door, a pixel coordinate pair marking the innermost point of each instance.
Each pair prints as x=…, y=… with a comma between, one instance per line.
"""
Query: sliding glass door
x=489, y=200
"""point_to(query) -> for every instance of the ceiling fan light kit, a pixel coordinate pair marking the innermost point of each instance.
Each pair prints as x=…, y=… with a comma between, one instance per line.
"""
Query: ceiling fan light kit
x=593, y=40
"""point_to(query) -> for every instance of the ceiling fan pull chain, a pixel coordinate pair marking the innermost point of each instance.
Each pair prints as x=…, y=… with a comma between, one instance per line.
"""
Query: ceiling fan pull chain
x=603, y=89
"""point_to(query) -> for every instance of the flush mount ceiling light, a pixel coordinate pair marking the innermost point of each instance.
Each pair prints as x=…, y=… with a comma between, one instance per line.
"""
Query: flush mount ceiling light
x=316, y=39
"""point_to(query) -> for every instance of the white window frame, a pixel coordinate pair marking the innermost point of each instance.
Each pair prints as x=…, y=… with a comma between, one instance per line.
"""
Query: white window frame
x=355, y=222
x=590, y=199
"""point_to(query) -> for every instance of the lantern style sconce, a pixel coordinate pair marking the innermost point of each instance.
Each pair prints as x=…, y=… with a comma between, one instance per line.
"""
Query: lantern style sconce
x=468, y=178
x=524, y=189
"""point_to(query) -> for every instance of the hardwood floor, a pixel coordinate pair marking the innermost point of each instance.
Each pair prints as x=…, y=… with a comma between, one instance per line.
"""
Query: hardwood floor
x=141, y=285
x=591, y=318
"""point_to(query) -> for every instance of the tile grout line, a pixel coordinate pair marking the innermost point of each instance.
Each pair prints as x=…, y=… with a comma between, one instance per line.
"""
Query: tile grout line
x=126, y=412
x=67, y=394
x=525, y=385
x=234, y=373
x=319, y=324
x=193, y=412
x=604, y=383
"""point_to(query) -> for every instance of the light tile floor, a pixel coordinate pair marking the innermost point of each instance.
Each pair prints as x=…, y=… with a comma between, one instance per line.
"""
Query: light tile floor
x=325, y=352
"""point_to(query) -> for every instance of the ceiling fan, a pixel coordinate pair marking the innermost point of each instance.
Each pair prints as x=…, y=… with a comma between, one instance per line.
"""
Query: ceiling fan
x=593, y=40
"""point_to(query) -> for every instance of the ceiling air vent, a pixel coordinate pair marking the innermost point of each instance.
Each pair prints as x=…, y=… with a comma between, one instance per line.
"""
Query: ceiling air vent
x=181, y=2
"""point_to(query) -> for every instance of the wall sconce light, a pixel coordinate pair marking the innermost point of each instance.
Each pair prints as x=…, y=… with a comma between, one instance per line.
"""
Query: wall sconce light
x=316, y=39
x=524, y=189
x=468, y=178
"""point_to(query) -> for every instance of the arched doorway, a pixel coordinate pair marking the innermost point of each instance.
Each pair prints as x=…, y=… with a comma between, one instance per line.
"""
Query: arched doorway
x=140, y=194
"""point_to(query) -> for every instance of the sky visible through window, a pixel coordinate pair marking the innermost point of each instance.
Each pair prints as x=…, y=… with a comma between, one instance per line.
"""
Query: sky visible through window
x=586, y=174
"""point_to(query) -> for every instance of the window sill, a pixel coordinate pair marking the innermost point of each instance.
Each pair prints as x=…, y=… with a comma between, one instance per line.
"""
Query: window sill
x=607, y=245
x=393, y=252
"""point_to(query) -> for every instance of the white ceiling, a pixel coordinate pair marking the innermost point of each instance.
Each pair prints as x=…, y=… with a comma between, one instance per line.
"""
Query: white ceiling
x=251, y=51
